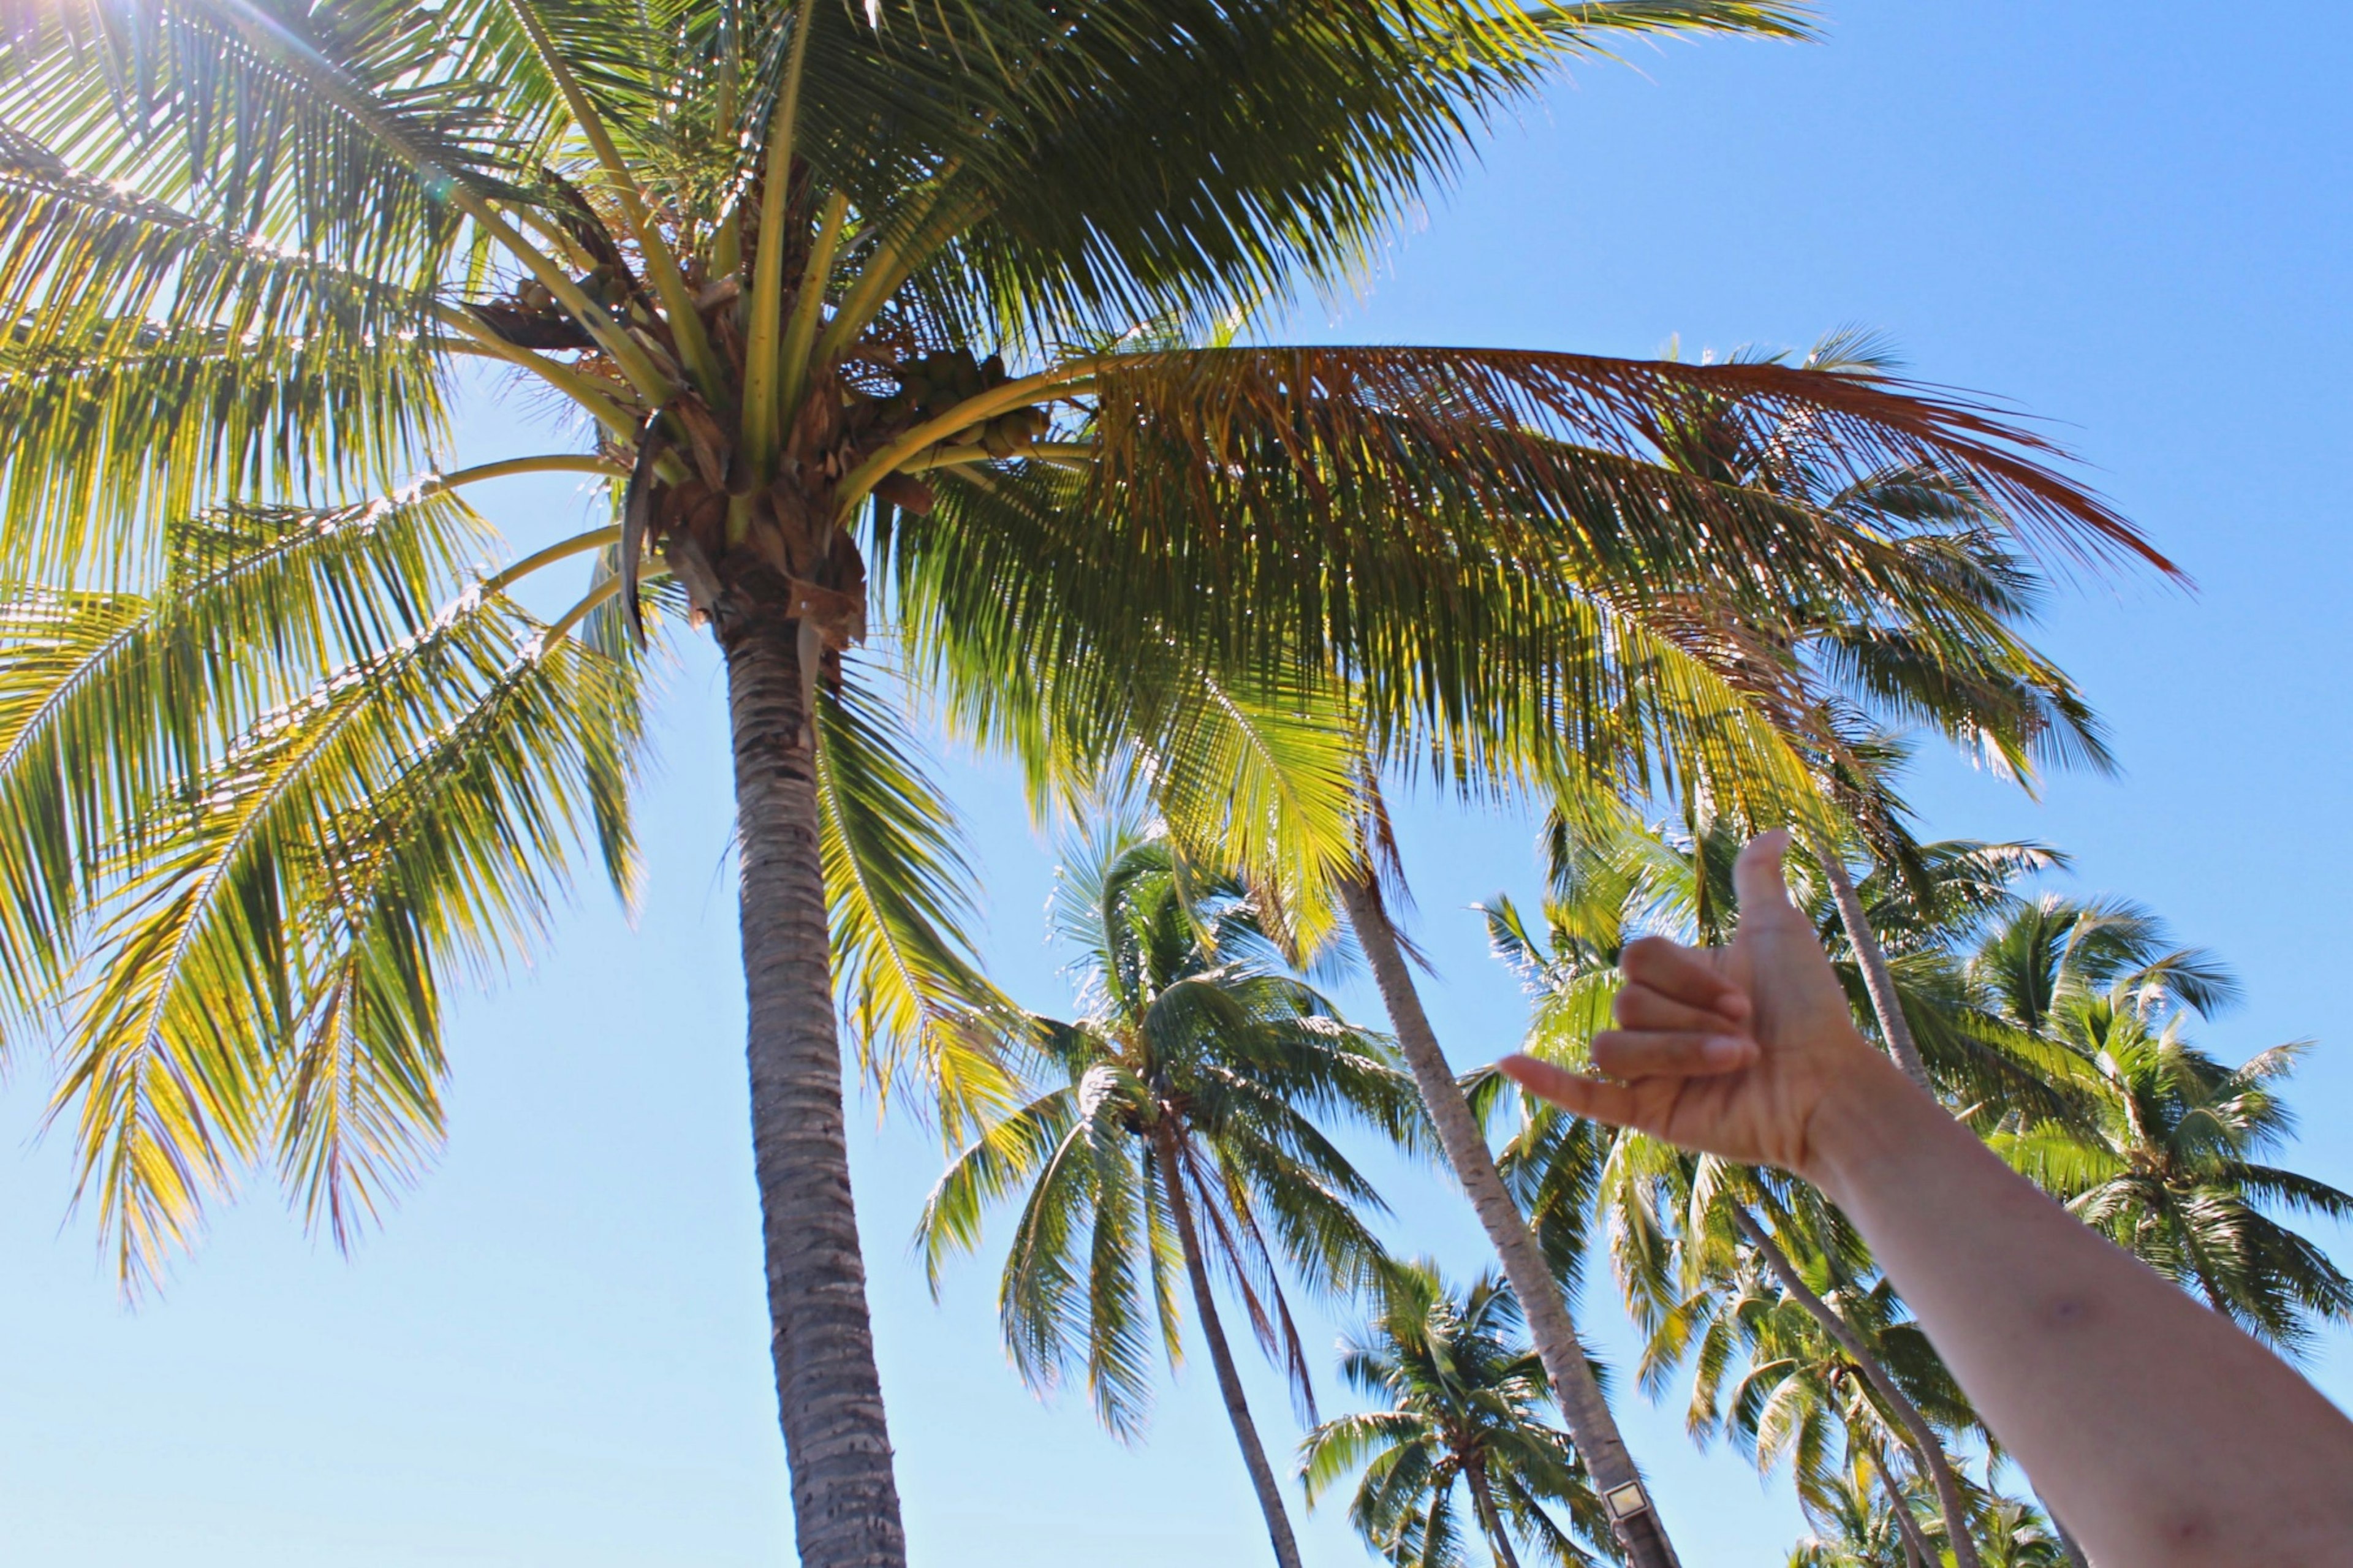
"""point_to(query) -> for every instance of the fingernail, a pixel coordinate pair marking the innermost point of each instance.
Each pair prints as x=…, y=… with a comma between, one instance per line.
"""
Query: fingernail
x=1723, y=1050
x=1733, y=1004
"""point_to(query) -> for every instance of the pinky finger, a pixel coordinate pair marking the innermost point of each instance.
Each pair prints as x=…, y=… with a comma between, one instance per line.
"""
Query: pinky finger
x=1591, y=1097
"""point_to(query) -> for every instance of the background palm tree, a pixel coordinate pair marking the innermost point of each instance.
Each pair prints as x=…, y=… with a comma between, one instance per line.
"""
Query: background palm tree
x=1856, y=1525
x=1463, y=1399
x=1187, y=1125
x=2061, y=1023
x=2167, y=1166
x=835, y=297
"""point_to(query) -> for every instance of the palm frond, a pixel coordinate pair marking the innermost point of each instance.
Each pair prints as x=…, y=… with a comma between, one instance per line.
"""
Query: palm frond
x=267, y=964
x=913, y=995
x=113, y=704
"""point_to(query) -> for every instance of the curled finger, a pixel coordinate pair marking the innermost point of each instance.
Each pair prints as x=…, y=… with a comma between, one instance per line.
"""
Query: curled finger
x=1671, y=1053
x=1638, y=1007
x=1686, y=974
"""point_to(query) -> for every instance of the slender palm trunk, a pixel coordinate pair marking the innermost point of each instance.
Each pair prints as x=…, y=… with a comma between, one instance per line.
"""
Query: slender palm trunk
x=1877, y=978
x=845, y=1502
x=1573, y=1384
x=1920, y=1438
x=1221, y=1355
x=1916, y=1551
x=1491, y=1518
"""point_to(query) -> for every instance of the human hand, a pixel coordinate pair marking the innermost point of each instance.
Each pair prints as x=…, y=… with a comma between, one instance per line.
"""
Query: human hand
x=1735, y=1050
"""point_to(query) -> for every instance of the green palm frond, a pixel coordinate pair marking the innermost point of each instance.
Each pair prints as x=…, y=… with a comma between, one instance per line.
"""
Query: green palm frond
x=272, y=954
x=1464, y=1399
x=109, y=444
x=1013, y=1150
x=1306, y=132
x=1120, y=1337
x=112, y=704
x=896, y=877
x=1036, y=1306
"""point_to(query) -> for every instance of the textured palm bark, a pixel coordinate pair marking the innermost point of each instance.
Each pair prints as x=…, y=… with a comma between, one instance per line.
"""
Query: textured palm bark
x=1919, y=1436
x=1590, y=1423
x=845, y=1502
x=1877, y=978
x=1221, y=1356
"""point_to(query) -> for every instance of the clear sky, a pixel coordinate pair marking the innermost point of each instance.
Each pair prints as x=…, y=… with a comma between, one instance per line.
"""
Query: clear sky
x=2131, y=220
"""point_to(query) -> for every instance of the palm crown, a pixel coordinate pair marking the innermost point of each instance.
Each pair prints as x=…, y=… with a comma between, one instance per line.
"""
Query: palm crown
x=1464, y=1413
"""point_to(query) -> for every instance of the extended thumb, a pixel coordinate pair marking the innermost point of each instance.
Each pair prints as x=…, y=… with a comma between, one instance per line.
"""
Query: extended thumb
x=1757, y=875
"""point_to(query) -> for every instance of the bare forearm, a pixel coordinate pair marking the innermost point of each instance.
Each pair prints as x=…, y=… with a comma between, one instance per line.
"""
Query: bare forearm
x=2161, y=1433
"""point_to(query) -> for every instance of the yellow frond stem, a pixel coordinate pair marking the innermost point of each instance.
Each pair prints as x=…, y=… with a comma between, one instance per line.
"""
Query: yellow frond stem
x=1060, y=383
x=800, y=334
x=561, y=550
x=551, y=463
x=669, y=283
x=558, y=629
x=763, y=345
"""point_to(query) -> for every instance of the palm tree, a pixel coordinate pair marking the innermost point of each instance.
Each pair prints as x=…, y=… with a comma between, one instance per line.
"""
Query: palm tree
x=1186, y=1122
x=1860, y=1521
x=1464, y=1400
x=1768, y=1373
x=2030, y=966
x=2167, y=1167
x=834, y=296
x=2067, y=1021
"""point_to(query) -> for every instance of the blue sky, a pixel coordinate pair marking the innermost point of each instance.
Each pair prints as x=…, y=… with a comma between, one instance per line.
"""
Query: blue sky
x=2127, y=220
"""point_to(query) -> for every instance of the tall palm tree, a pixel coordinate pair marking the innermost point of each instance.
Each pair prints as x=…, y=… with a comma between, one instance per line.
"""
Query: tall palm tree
x=1462, y=1402
x=834, y=296
x=1186, y=1122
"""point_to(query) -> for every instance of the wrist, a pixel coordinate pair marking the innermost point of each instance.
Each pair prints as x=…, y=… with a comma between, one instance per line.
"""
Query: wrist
x=1870, y=1113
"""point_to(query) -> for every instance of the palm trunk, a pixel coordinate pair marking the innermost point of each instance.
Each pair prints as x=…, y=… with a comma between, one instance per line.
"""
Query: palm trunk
x=1877, y=978
x=1222, y=1355
x=1916, y=1553
x=1574, y=1386
x=845, y=1502
x=1920, y=1438
x=1491, y=1518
